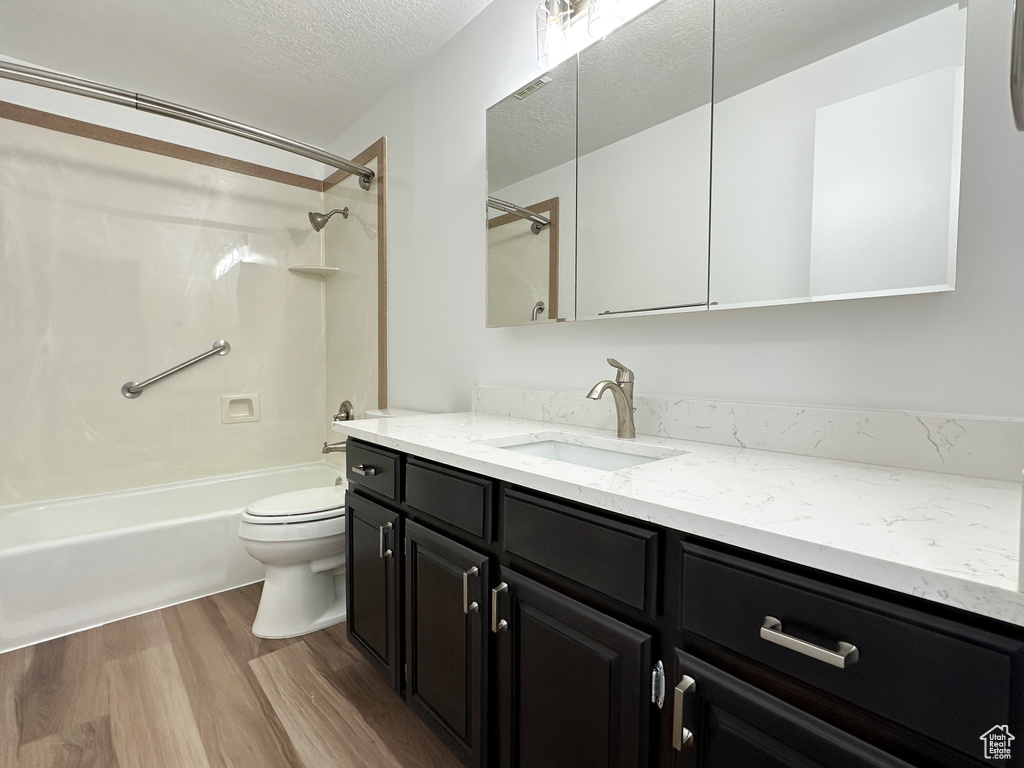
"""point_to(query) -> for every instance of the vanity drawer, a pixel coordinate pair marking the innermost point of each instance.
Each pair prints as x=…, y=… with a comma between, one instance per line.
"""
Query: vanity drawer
x=376, y=469
x=946, y=680
x=457, y=498
x=615, y=559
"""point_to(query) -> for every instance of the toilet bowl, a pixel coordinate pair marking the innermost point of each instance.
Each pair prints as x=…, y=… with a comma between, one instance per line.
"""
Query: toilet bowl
x=300, y=539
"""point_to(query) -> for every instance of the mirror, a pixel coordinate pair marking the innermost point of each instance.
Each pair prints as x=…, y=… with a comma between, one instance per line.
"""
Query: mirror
x=531, y=189
x=644, y=164
x=835, y=171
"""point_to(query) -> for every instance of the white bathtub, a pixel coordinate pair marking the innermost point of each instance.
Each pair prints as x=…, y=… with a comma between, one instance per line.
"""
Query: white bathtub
x=71, y=564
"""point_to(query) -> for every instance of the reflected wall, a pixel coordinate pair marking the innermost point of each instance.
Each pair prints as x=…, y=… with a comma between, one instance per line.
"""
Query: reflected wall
x=116, y=264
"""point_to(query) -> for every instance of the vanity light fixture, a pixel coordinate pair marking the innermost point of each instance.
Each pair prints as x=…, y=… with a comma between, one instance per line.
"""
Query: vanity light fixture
x=552, y=25
x=566, y=27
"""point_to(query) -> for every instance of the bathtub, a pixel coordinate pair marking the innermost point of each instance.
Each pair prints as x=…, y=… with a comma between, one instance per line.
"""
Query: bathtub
x=72, y=564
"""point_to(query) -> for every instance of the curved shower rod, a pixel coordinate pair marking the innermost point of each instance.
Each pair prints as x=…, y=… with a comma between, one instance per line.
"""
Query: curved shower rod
x=539, y=222
x=93, y=90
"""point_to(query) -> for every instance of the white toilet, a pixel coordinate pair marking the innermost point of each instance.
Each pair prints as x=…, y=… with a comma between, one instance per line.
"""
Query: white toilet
x=300, y=539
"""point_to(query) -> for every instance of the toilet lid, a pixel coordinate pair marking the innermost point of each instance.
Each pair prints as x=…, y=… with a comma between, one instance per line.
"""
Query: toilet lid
x=296, y=506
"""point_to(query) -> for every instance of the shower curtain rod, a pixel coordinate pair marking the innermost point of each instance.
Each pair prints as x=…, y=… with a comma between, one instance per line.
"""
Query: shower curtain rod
x=93, y=90
x=539, y=222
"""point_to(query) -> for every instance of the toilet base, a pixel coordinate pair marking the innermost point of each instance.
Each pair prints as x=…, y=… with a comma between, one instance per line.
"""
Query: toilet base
x=296, y=601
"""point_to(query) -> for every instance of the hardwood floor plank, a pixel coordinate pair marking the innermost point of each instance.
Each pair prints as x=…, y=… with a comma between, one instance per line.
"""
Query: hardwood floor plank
x=64, y=686
x=238, y=607
x=121, y=638
x=86, y=745
x=237, y=724
x=394, y=723
x=14, y=665
x=326, y=729
x=151, y=721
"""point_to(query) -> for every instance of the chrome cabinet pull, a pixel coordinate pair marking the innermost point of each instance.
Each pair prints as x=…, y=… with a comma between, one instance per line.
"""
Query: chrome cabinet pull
x=845, y=655
x=682, y=737
x=497, y=626
x=365, y=471
x=468, y=607
x=1017, y=65
x=383, y=536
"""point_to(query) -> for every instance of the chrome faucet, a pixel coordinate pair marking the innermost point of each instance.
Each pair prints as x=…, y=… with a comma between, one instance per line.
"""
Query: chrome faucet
x=337, y=447
x=622, y=393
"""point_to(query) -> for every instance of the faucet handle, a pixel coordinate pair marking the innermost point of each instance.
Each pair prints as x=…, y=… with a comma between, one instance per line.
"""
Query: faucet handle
x=624, y=376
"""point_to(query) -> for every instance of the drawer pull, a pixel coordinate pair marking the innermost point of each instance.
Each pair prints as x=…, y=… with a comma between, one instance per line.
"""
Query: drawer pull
x=467, y=606
x=382, y=552
x=365, y=471
x=682, y=737
x=497, y=626
x=844, y=656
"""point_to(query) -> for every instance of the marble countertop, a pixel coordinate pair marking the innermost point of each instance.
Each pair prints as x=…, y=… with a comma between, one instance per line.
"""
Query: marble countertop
x=949, y=539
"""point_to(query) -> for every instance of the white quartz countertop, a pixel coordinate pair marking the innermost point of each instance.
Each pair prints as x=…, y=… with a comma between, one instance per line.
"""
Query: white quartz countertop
x=944, y=538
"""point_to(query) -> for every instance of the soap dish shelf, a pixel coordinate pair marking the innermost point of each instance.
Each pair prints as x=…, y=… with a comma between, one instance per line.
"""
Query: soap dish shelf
x=309, y=269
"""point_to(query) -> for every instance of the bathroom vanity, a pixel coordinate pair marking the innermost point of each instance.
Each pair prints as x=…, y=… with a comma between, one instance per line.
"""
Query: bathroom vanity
x=540, y=612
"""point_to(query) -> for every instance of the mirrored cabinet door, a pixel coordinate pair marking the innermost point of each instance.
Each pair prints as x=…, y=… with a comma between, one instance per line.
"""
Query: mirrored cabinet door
x=836, y=164
x=644, y=163
x=531, y=187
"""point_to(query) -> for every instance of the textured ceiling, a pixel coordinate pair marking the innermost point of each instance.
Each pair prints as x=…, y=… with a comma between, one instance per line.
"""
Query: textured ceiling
x=659, y=66
x=303, y=68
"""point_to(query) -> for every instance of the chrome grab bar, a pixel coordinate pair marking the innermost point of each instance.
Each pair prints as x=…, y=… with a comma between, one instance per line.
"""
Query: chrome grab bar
x=133, y=389
x=1017, y=65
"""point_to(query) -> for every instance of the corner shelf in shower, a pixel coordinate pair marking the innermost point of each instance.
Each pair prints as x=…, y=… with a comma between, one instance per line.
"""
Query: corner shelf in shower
x=309, y=269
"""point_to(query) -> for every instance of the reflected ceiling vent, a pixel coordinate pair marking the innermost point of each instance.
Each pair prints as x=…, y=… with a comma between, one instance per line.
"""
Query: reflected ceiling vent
x=533, y=87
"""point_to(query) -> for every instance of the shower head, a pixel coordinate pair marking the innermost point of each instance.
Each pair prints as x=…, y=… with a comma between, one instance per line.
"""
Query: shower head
x=319, y=220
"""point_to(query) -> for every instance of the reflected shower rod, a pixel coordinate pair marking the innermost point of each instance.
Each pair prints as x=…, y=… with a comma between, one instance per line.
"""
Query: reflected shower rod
x=76, y=85
x=523, y=213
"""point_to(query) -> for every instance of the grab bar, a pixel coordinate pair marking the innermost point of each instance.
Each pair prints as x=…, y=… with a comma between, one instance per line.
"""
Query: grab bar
x=133, y=389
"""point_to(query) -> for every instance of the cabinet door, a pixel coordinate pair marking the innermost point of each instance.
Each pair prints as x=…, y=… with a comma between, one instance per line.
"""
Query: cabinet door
x=574, y=684
x=722, y=722
x=445, y=585
x=373, y=605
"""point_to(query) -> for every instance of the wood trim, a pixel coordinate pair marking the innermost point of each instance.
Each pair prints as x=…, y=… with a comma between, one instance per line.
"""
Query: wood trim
x=50, y=121
x=550, y=207
x=382, y=271
x=377, y=149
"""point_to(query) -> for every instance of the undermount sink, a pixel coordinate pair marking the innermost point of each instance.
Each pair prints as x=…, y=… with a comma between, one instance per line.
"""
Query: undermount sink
x=584, y=450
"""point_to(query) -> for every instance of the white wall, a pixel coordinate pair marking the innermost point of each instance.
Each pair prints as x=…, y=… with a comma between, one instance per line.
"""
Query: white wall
x=953, y=352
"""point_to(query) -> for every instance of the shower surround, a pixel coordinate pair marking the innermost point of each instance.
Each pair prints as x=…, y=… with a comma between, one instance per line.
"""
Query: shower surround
x=116, y=264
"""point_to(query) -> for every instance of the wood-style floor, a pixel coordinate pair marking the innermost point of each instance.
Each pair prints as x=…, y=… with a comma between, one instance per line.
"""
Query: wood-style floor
x=191, y=687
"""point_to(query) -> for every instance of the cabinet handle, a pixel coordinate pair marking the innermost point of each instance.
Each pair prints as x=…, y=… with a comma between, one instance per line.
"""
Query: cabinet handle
x=365, y=471
x=681, y=736
x=497, y=626
x=1017, y=65
x=467, y=606
x=845, y=655
x=383, y=535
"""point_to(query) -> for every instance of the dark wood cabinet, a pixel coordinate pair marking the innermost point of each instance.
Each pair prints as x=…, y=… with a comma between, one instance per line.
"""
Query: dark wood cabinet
x=574, y=684
x=446, y=639
x=722, y=722
x=526, y=630
x=374, y=618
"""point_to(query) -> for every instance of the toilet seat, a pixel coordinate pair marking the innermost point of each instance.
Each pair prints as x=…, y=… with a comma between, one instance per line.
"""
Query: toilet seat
x=308, y=505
